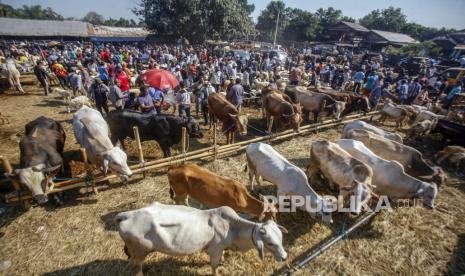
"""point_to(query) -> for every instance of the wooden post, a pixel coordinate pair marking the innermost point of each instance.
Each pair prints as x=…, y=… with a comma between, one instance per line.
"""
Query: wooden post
x=88, y=168
x=270, y=126
x=139, y=148
x=9, y=169
x=215, y=137
x=183, y=142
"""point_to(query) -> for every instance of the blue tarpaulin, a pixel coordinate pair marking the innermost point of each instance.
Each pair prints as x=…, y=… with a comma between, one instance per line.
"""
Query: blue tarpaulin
x=116, y=39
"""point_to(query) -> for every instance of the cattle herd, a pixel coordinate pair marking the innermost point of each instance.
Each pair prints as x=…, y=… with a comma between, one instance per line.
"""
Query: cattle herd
x=366, y=163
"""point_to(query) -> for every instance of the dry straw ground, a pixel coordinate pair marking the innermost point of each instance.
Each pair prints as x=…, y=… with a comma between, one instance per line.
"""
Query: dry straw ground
x=79, y=238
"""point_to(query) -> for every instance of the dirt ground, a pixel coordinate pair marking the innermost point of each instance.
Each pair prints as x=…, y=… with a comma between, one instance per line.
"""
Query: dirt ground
x=79, y=238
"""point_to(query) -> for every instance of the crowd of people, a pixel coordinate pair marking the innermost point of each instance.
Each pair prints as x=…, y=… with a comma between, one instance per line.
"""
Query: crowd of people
x=109, y=72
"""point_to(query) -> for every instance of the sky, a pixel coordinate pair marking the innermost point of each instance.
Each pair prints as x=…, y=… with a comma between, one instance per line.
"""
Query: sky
x=433, y=13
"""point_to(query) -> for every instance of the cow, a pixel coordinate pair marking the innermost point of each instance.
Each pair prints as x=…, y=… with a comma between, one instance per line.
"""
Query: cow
x=181, y=230
x=339, y=167
x=421, y=128
x=165, y=129
x=352, y=102
x=213, y=190
x=398, y=114
x=389, y=176
x=221, y=109
x=285, y=113
x=263, y=161
x=455, y=155
x=428, y=115
x=315, y=102
x=358, y=124
x=10, y=72
x=91, y=132
x=410, y=158
x=41, y=155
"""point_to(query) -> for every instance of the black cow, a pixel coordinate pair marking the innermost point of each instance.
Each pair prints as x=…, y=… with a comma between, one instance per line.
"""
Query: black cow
x=165, y=129
x=452, y=133
x=41, y=153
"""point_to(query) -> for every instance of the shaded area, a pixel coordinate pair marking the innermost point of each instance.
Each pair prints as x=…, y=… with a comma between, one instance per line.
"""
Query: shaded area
x=456, y=265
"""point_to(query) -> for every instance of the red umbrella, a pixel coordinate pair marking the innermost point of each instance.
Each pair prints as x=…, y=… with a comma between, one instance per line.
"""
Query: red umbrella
x=160, y=78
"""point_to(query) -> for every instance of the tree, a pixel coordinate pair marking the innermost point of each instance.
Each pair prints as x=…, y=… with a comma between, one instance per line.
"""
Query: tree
x=425, y=49
x=197, y=20
x=29, y=12
x=328, y=18
x=94, y=18
x=423, y=33
x=390, y=19
x=302, y=26
x=266, y=22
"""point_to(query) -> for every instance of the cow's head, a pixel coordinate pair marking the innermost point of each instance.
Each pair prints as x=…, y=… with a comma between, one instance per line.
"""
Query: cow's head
x=361, y=188
x=327, y=208
x=193, y=128
x=295, y=118
x=427, y=193
x=268, y=235
x=338, y=107
x=35, y=179
x=241, y=122
x=116, y=160
x=269, y=210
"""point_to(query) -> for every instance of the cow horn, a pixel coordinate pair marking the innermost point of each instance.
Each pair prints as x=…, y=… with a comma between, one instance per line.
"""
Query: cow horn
x=34, y=133
x=233, y=115
x=51, y=169
x=283, y=229
x=287, y=116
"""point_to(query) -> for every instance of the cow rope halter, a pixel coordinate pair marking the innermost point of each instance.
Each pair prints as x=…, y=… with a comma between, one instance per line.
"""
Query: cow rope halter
x=254, y=230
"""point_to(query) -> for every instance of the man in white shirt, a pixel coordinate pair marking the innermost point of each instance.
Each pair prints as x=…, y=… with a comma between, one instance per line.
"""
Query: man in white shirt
x=184, y=102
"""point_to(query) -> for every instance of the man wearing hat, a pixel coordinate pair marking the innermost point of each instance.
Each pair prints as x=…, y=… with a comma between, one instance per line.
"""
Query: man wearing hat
x=99, y=92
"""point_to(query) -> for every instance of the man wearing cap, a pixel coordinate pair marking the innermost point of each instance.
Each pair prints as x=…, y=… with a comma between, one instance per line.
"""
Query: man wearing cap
x=157, y=97
x=206, y=90
x=184, y=102
x=99, y=91
x=145, y=101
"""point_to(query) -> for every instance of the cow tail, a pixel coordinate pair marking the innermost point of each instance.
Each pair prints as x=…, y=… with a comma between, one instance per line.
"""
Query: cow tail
x=171, y=193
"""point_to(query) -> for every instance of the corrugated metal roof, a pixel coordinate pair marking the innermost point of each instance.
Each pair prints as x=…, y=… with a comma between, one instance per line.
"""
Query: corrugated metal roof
x=106, y=31
x=28, y=27
x=355, y=26
x=395, y=37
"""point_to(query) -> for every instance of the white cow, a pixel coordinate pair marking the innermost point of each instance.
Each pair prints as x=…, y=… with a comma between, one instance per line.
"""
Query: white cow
x=10, y=71
x=91, y=132
x=181, y=230
x=339, y=167
x=410, y=158
x=264, y=161
x=357, y=124
x=389, y=176
x=428, y=115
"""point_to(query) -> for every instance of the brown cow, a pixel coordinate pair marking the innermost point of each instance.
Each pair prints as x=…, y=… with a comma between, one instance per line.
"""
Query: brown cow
x=353, y=102
x=221, y=109
x=278, y=105
x=213, y=190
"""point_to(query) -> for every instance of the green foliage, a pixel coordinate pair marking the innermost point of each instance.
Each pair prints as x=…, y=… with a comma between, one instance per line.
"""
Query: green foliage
x=425, y=49
x=98, y=19
x=390, y=19
x=29, y=12
x=197, y=20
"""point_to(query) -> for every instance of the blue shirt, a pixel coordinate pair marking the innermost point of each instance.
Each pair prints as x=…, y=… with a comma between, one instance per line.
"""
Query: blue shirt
x=371, y=81
x=155, y=93
x=359, y=76
x=103, y=73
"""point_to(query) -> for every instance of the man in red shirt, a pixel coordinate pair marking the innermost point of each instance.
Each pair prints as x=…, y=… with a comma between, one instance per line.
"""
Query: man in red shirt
x=124, y=80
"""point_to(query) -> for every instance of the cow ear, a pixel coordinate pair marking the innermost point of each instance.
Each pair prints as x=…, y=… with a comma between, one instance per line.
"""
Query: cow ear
x=232, y=115
x=11, y=175
x=260, y=246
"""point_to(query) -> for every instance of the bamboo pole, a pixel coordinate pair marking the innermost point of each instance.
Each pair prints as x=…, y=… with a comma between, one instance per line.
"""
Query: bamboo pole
x=183, y=141
x=139, y=148
x=88, y=169
x=215, y=142
x=197, y=154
